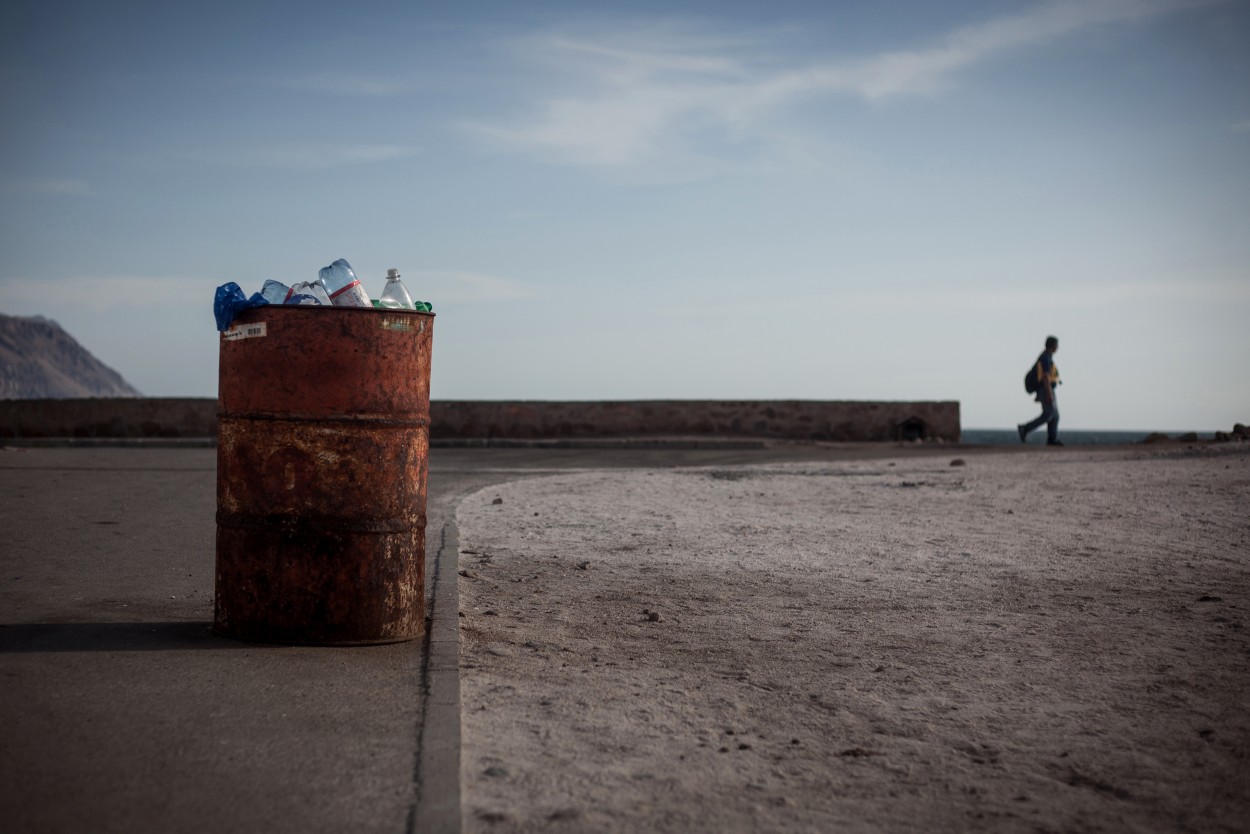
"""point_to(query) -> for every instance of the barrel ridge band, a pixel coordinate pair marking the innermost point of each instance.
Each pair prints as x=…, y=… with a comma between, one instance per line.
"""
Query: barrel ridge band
x=349, y=419
x=322, y=524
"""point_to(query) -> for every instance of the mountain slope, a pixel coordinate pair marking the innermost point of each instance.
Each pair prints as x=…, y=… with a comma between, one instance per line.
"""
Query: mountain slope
x=39, y=360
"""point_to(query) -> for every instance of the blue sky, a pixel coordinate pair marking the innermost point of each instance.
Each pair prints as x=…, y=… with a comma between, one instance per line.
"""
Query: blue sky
x=805, y=200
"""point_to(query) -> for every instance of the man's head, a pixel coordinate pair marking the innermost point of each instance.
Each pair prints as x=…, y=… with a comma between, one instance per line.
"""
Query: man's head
x=1052, y=344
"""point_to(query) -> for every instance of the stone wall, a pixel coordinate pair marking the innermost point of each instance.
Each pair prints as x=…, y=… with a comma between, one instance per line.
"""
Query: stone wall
x=827, y=420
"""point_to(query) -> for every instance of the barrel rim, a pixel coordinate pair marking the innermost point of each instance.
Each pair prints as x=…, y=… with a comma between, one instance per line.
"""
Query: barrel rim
x=321, y=310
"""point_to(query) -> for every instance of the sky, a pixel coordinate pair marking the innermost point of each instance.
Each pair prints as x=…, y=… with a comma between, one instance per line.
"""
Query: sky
x=658, y=200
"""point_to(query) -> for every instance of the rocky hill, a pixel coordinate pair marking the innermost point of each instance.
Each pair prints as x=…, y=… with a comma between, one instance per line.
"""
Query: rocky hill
x=39, y=360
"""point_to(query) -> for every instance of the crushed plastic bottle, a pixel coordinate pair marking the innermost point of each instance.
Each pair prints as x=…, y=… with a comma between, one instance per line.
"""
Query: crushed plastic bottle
x=308, y=289
x=275, y=292
x=342, y=285
x=395, y=295
x=305, y=292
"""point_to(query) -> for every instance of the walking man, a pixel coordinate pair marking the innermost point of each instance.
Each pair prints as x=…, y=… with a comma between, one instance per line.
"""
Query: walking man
x=1047, y=379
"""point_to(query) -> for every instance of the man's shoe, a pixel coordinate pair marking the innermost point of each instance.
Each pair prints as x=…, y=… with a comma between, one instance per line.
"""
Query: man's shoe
x=1020, y=431
x=1054, y=442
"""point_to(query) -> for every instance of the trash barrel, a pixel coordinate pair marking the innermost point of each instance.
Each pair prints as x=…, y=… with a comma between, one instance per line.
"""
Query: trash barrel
x=323, y=418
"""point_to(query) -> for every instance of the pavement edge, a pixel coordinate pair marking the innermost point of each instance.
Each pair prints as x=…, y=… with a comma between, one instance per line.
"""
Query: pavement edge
x=437, y=802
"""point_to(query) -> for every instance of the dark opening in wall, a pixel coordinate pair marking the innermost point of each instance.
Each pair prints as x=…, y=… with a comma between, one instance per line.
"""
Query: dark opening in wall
x=913, y=428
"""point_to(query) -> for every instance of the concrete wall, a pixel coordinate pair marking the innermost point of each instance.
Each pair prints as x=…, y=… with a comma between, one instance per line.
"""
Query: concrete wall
x=782, y=419
x=121, y=417
x=826, y=420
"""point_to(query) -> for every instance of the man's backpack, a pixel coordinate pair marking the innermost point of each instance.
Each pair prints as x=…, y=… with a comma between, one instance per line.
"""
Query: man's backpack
x=1030, y=380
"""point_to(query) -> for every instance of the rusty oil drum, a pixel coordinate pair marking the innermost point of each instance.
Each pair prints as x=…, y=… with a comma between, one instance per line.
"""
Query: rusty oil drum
x=322, y=447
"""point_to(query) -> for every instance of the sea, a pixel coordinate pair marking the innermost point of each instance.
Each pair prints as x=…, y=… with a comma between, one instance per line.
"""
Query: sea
x=1075, y=437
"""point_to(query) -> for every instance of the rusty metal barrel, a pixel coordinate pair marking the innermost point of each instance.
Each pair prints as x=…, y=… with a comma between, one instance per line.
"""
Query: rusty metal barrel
x=323, y=418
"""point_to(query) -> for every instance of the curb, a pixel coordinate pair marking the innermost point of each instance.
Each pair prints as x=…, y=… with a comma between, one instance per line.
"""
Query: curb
x=435, y=443
x=437, y=803
x=624, y=442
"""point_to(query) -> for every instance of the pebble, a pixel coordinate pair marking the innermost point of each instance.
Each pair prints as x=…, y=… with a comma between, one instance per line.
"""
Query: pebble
x=583, y=565
x=497, y=501
x=655, y=617
x=959, y=462
x=495, y=771
x=499, y=651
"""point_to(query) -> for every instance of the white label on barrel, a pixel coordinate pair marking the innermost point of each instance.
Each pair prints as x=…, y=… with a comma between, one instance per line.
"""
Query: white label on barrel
x=245, y=331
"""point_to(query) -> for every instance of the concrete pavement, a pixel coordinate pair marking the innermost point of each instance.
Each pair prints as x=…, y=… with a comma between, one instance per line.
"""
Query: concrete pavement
x=124, y=712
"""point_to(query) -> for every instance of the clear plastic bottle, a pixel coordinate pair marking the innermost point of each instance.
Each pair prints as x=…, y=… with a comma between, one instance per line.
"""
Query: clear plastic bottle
x=308, y=289
x=275, y=292
x=343, y=286
x=395, y=295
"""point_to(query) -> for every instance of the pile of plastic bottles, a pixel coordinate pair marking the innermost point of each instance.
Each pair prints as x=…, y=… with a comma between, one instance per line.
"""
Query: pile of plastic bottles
x=336, y=286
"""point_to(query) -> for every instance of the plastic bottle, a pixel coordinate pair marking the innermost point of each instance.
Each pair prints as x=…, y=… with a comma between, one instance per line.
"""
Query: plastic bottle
x=395, y=295
x=275, y=292
x=308, y=289
x=343, y=286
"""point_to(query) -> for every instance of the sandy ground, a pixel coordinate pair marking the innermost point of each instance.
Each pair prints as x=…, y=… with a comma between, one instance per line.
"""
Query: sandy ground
x=1049, y=641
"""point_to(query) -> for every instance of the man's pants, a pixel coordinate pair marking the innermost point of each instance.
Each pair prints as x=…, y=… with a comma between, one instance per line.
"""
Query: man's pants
x=1049, y=416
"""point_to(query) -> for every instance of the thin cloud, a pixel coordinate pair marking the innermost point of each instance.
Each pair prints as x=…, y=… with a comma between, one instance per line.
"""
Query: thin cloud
x=918, y=71
x=304, y=155
x=649, y=91
x=107, y=292
x=1114, y=296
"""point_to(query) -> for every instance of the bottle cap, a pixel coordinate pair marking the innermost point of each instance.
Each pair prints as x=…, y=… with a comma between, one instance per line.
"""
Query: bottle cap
x=392, y=273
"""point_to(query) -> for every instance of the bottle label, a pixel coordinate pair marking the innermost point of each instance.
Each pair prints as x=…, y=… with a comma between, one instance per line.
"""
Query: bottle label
x=344, y=289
